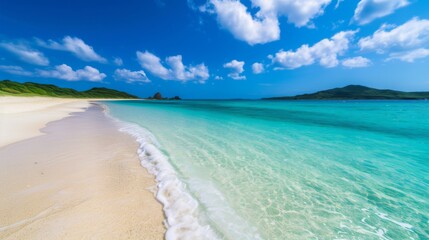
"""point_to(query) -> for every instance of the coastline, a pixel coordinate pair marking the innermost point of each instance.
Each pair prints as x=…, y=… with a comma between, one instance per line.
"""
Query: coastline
x=76, y=178
x=181, y=209
x=23, y=117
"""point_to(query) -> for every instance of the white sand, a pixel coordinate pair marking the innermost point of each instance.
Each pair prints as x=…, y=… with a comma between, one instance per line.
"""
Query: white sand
x=78, y=179
x=23, y=117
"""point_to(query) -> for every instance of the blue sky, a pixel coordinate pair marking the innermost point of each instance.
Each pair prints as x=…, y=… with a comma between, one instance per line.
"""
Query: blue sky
x=216, y=48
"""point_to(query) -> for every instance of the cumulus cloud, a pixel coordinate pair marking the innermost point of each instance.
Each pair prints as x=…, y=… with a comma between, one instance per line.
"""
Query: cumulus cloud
x=153, y=64
x=298, y=12
x=411, y=34
x=25, y=53
x=233, y=16
x=131, y=76
x=356, y=62
x=368, y=10
x=325, y=52
x=16, y=70
x=236, y=68
x=263, y=26
x=118, y=61
x=76, y=46
x=410, y=56
x=65, y=72
x=176, y=70
x=257, y=68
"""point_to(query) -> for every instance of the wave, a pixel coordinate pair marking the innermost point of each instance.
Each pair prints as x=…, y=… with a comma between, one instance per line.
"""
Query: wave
x=180, y=208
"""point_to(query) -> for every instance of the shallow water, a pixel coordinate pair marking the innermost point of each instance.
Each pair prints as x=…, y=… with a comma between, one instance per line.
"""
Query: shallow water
x=290, y=169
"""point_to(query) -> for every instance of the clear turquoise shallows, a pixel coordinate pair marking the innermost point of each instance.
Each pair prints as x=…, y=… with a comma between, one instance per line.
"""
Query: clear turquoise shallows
x=297, y=169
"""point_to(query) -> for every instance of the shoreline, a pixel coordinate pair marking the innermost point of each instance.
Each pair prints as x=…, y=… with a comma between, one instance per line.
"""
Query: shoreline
x=181, y=209
x=78, y=177
x=23, y=117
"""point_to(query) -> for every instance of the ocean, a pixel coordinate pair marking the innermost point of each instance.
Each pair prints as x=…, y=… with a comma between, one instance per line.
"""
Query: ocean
x=286, y=169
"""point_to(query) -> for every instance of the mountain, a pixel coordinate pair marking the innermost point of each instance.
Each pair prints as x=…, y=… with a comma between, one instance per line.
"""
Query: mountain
x=107, y=93
x=356, y=92
x=12, y=88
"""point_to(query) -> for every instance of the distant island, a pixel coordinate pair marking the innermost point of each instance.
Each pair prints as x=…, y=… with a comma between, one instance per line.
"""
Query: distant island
x=11, y=88
x=357, y=92
x=158, y=96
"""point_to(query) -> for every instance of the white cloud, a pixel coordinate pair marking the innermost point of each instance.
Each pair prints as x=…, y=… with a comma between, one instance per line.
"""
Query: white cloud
x=303, y=56
x=131, y=76
x=176, y=71
x=76, y=46
x=153, y=64
x=118, y=61
x=233, y=16
x=218, y=78
x=236, y=67
x=325, y=52
x=337, y=5
x=25, y=53
x=264, y=26
x=257, y=68
x=410, y=56
x=65, y=72
x=411, y=34
x=16, y=70
x=356, y=62
x=368, y=10
x=298, y=12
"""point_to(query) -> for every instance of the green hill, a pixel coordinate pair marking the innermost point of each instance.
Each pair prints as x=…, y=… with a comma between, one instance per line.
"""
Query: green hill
x=357, y=92
x=11, y=88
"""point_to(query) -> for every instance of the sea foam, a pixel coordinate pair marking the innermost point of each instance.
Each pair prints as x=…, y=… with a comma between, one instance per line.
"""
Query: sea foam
x=180, y=208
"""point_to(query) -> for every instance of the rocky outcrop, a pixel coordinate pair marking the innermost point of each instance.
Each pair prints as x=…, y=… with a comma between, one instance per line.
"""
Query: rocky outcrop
x=158, y=96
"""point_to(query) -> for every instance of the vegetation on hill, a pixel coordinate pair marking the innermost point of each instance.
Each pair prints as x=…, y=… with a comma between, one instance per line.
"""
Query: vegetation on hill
x=357, y=92
x=12, y=88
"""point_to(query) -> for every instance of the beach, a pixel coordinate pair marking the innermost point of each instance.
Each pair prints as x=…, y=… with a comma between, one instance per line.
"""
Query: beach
x=67, y=172
x=220, y=169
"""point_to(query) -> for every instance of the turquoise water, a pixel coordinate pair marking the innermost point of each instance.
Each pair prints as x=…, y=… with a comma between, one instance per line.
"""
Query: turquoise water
x=287, y=170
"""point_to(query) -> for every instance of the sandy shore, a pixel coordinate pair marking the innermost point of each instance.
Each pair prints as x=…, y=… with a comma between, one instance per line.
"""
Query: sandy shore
x=23, y=117
x=78, y=179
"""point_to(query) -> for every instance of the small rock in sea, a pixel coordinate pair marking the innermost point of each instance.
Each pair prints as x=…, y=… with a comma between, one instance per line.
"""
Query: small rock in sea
x=157, y=96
